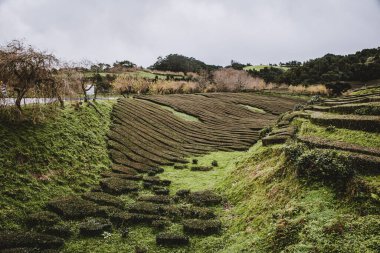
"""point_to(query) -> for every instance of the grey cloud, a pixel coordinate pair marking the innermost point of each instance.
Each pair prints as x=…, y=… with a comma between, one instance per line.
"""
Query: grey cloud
x=215, y=31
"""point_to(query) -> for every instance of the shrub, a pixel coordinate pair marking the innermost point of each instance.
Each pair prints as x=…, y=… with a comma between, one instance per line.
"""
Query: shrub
x=201, y=168
x=194, y=212
x=330, y=129
x=75, y=207
x=293, y=151
x=298, y=107
x=324, y=165
x=202, y=227
x=314, y=100
x=368, y=111
x=182, y=193
x=156, y=181
x=204, y=198
x=95, y=227
x=160, y=190
x=43, y=218
x=286, y=233
x=195, y=161
x=214, y=163
x=29, y=239
x=172, y=239
x=160, y=224
x=159, y=199
x=62, y=231
x=265, y=131
x=180, y=167
x=117, y=186
x=105, y=199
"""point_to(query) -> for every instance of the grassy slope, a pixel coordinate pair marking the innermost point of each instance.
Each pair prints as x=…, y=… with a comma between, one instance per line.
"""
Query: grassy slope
x=63, y=155
x=267, y=208
x=272, y=210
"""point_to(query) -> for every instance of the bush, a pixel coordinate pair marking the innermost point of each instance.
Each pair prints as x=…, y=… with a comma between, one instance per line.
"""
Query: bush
x=43, y=218
x=117, y=186
x=324, y=165
x=201, y=168
x=202, y=227
x=160, y=190
x=285, y=234
x=95, y=227
x=314, y=100
x=62, y=231
x=298, y=107
x=214, y=163
x=172, y=239
x=293, y=151
x=330, y=129
x=183, y=193
x=28, y=239
x=368, y=111
x=75, y=207
x=180, y=167
x=194, y=212
x=265, y=131
x=105, y=199
x=195, y=161
x=204, y=198
x=158, y=199
x=160, y=224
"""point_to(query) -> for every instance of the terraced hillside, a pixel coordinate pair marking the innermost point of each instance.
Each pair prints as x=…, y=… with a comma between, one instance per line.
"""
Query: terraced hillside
x=146, y=135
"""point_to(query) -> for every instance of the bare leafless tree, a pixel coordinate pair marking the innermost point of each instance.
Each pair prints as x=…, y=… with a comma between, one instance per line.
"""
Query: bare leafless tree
x=25, y=68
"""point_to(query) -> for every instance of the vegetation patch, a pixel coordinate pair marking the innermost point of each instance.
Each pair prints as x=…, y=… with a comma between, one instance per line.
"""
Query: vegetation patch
x=117, y=186
x=202, y=227
x=201, y=168
x=43, y=218
x=103, y=199
x=29, y=240
x=204, y=198
x=75, y=207
x=172, y=239
x=95, y=227
x=159, y=199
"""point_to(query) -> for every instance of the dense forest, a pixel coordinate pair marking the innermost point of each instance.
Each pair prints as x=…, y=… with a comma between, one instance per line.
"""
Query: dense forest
x=361, y=66
x=180, y=63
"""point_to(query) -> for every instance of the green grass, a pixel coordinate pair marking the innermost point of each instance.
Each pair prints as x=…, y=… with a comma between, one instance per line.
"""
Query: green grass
x=181, y=115
x=254, y=109
x=202, y=180
x=363, y=138
x=367, y=91
x=260, y=67
x=62, y=155
x=271, y=210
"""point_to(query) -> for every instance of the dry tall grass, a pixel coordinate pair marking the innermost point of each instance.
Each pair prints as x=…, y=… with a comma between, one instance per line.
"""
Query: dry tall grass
x=318, y=89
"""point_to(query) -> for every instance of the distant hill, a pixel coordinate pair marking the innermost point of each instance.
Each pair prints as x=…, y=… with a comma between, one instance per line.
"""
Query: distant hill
x=260, y=67
x=180, y=63
x=361, y=66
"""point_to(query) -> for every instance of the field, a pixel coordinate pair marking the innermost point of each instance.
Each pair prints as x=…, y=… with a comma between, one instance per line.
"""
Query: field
x=215, y=172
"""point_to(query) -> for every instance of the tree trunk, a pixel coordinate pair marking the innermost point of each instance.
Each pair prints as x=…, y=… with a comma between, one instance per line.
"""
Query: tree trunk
x=96, y=94
x=61, y=101
x=84, y=92
x=20, y=95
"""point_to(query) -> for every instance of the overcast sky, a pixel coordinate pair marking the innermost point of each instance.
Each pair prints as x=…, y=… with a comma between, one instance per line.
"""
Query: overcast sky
x=214, y=31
